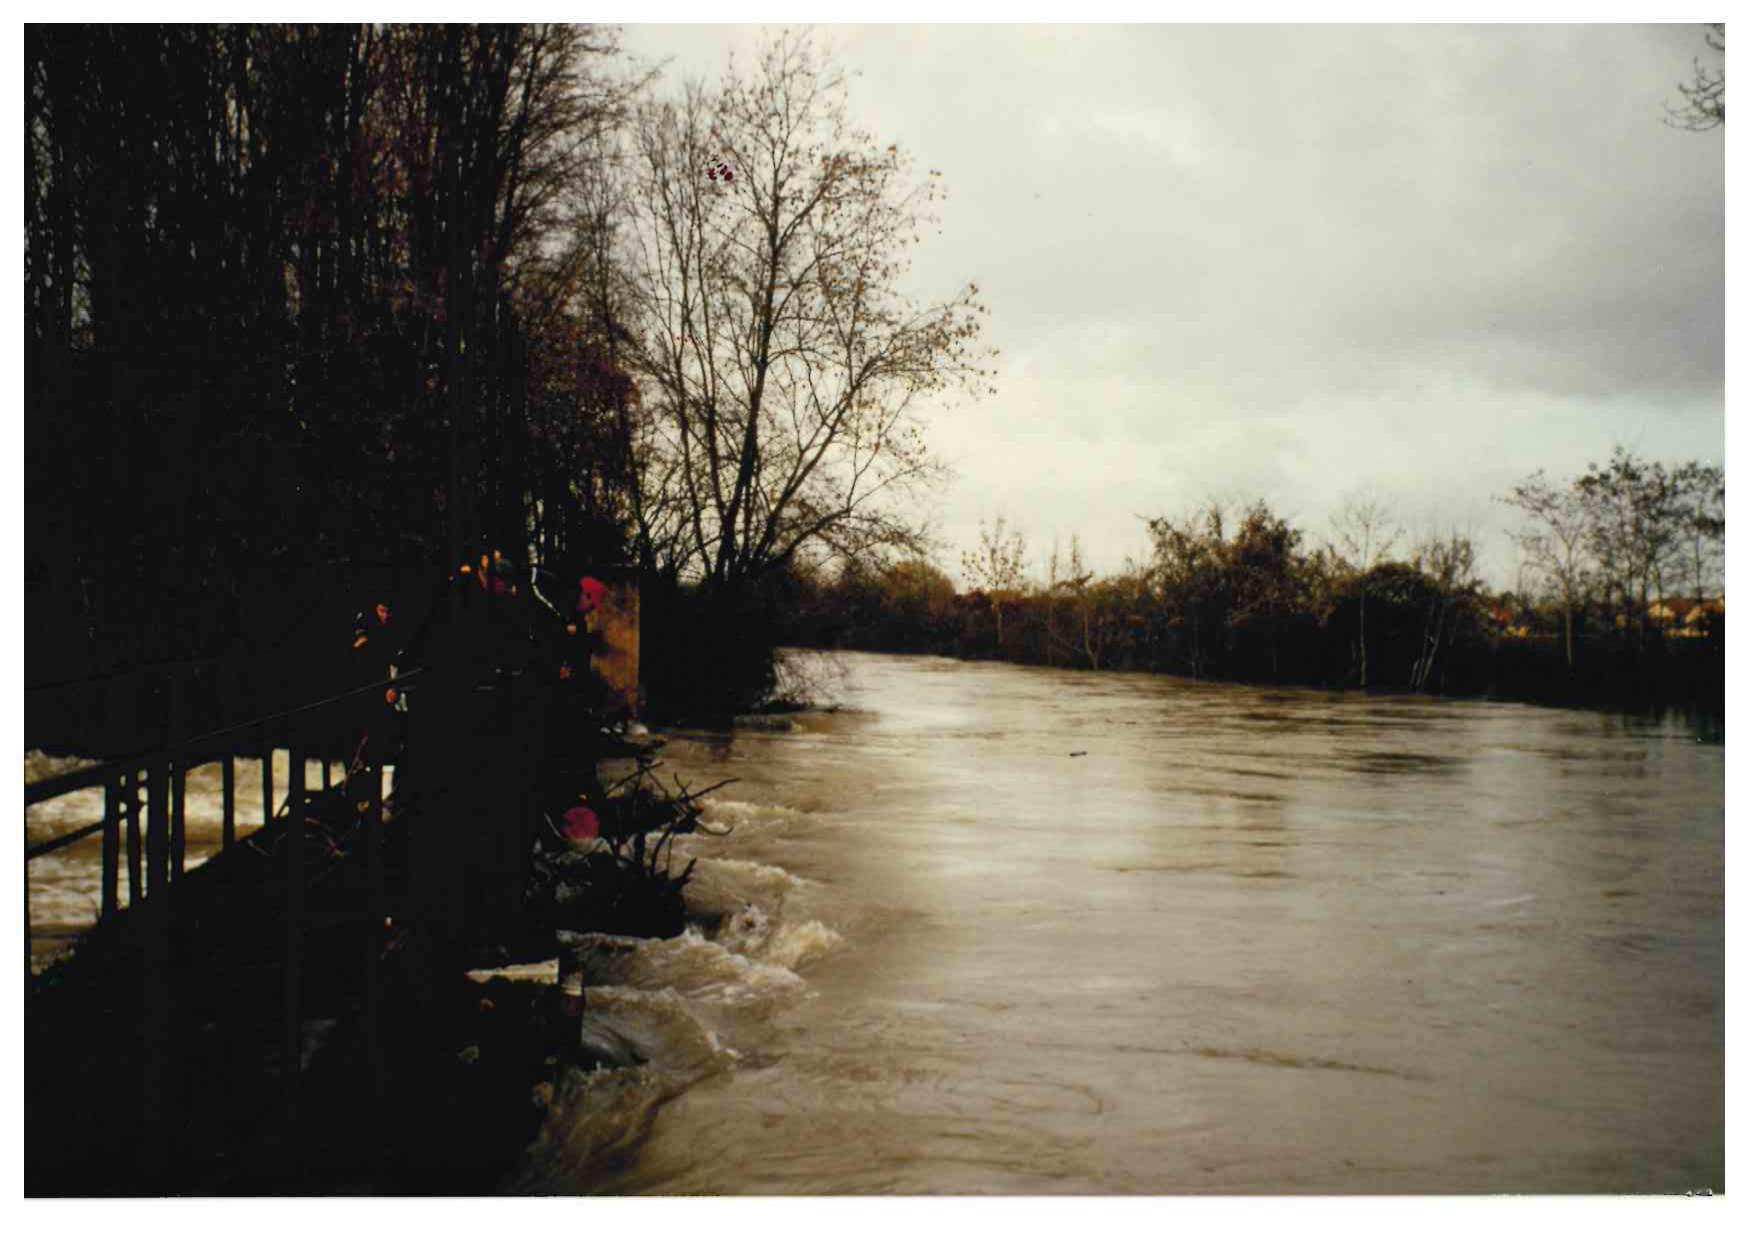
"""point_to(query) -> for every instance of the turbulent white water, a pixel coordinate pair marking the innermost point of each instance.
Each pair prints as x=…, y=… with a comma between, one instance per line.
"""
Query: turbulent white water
x=1250, y=941
x=682, y=1006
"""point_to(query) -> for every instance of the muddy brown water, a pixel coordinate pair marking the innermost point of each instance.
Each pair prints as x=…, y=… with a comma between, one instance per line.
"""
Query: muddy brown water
x=1250, y=941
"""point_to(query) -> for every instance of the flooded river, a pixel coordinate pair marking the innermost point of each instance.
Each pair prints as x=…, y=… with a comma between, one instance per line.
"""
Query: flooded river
x=1011, y=930
x=989, y=929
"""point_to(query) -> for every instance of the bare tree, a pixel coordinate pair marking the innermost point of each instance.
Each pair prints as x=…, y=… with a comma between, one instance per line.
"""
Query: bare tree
x=1053, y=590
x=1635, y=509
x=1091, y=600
x=1702, y=105
x=1700, y=489
x=782, y=367
x=1364, y=532
x=1555, y=542
x=1447, y=561
x=997, y=567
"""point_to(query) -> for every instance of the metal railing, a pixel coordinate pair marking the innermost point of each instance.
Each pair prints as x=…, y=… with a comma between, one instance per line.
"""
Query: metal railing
x=122, y=779
x=150, y=785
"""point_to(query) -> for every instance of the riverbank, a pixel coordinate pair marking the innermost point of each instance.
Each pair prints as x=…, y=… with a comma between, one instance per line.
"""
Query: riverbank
x=1687, y=678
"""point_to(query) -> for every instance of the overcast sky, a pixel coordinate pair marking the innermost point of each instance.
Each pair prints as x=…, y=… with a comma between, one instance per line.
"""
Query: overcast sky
x=1297, y=263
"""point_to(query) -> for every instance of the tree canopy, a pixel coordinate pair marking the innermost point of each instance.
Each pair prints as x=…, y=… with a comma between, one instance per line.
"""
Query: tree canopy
x=782, y=362
x=1702, y=100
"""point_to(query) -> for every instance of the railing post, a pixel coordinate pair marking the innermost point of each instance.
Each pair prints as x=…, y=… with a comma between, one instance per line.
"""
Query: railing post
x=266, y=775
x=155, y=983
x=130, y=785
x=228, y=828
x=111, y=847
x=157, y=827
x=375, y=915
x=178, y=773
x=292, y=842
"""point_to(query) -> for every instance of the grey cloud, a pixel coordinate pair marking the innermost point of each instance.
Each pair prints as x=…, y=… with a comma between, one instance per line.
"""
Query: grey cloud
x=1300, y=260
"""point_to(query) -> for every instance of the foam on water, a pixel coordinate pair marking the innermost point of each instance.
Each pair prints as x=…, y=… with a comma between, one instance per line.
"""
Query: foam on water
x=795, y=946
x=746, y=931
x=675, y=1003
x=721, y=813
x=753, y=933
x=721, y=887
x=700, y=969
x=591, y=1117
x=661, y=1026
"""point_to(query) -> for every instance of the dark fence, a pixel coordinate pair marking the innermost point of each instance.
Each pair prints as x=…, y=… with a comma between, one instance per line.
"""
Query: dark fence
x=144, y=827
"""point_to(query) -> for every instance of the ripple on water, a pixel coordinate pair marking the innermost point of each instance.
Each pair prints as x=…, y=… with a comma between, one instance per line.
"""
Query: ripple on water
x=1404, y=762
x=1281, y=1059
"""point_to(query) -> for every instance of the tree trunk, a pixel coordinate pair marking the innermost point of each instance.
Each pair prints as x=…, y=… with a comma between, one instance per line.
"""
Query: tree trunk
x=1569, y=659
x=1362, y=638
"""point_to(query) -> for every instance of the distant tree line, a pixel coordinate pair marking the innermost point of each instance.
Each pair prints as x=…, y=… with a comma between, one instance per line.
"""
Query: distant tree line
x=1620, y=537
x=1620, y=605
